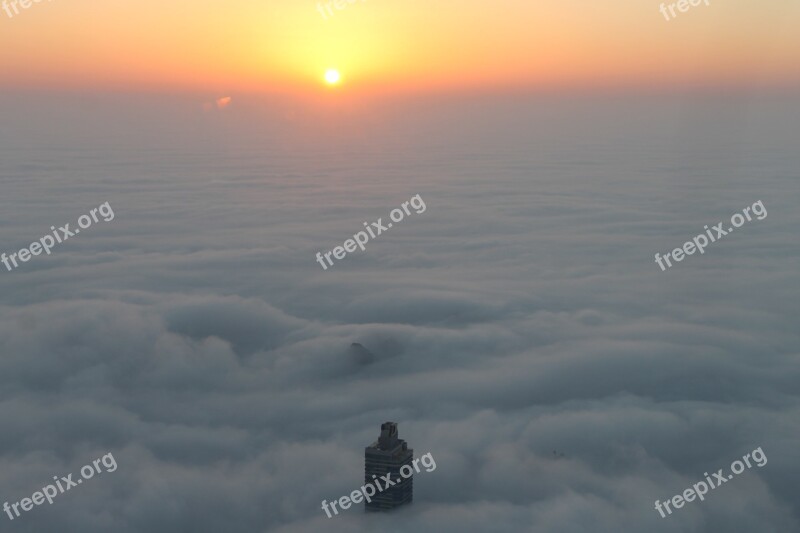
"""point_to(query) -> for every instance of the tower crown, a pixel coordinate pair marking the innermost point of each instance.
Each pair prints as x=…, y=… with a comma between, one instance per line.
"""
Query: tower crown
x=388, y=438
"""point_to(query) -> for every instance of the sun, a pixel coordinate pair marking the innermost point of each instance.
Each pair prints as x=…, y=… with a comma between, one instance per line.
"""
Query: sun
x=332, y=77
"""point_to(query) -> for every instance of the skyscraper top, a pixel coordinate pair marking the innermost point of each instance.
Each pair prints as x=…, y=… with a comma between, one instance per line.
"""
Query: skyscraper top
x=388, y=441
x=388, y=458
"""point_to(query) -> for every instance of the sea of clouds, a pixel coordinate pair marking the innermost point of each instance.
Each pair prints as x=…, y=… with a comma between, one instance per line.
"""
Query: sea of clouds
x=519, y=331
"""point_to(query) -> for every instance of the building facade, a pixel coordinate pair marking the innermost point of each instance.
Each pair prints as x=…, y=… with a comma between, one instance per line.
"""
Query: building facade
x=388, y=455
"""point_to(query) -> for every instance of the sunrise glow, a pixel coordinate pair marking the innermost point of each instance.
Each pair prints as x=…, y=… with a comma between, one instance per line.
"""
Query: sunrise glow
x=384, y=45
x=332, y=77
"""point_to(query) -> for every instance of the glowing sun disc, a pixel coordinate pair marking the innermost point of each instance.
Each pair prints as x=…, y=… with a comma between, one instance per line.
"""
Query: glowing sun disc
x=332, y=77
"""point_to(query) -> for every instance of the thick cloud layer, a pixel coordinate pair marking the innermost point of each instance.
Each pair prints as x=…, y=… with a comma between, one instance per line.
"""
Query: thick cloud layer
x=518, y=329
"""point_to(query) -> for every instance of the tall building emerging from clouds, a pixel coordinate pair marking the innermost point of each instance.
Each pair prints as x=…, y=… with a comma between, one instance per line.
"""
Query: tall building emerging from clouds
x=388, y=455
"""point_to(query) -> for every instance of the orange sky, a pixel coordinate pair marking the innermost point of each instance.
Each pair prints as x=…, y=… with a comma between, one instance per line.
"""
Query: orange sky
x=286, y=45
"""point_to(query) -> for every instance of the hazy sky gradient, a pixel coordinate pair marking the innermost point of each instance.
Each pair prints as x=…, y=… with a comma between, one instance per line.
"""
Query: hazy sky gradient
x=285, y=45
